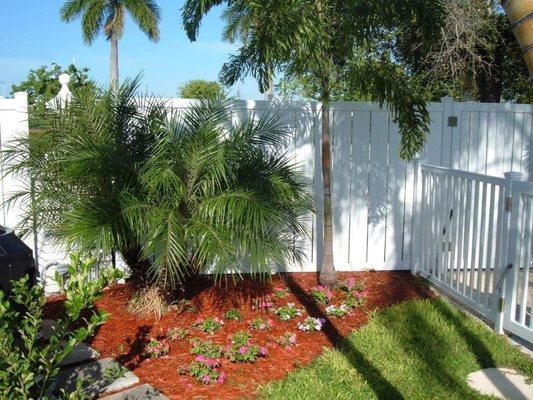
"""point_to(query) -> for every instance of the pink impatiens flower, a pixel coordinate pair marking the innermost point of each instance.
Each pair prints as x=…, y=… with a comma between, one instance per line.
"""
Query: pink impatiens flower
x=200, y=358
x=206, y=378
x=264, y=351
x=212, y=362
x=221, y=377
x=243, y=349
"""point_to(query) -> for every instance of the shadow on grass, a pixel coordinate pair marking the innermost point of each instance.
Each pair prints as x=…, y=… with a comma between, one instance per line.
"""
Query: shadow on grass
x=477, y=347
x=382, y=388
x=423, y=340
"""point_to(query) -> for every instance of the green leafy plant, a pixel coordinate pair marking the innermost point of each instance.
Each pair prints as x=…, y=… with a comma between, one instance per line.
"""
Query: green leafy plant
x=28, y=364
x=240, y=348
x=356, y=299
x=177, y=333
x=206, y=348
x=338, y=311
x=260, y=324
x=288, y=311
x=234, y=315
x=352, y=285
x=156, y=348
x=114, y=372
x=209, y=325
x=280, y=293
x=322, y=294
x=204, y=369
x=287, y=340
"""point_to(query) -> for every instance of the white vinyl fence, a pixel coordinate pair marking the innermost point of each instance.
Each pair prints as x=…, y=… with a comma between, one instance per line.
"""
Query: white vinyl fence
x=473, y=236
x=372, y=188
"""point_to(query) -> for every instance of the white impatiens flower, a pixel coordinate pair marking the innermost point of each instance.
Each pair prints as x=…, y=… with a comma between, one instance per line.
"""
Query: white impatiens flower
x=311, y=324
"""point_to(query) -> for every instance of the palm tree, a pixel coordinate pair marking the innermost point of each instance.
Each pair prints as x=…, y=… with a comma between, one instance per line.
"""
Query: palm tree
x=320, y=38
x=240, y=23
x=109, y=16
x=175, y=195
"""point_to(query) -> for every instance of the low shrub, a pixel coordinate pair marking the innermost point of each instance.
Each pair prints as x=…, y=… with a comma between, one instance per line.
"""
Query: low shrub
x=260, y=324
x=205, y=370
x=351, y=284
x=206, y=348
x=288, y=311
x=287, y=340
x=322, y=294
x=242, y=349
x=311, y=324
x=280, y=293
x=338, y=311
x=156, y=348
x=177, y=333
x=234, y=315
x=209, y=325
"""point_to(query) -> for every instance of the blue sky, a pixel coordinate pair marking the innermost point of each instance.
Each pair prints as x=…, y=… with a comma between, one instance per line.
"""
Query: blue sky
x=31, y=35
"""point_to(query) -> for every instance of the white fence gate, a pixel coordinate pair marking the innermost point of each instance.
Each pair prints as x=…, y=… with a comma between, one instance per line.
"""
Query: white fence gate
x=474, y=241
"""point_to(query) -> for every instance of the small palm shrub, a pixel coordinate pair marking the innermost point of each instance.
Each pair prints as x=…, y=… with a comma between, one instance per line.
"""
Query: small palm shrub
x=28, y=364
x=175, y=194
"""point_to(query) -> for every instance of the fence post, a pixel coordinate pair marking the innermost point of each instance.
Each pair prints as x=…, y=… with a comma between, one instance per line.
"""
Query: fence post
x=416, y=238
x=504, y=263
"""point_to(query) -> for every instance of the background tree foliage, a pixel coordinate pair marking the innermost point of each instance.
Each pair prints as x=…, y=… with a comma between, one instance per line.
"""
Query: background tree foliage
x=476, y=58
x=201, y=89
x=42, y=85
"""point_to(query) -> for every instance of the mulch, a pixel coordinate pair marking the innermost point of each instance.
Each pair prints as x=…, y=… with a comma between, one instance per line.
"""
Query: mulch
x=124, y=334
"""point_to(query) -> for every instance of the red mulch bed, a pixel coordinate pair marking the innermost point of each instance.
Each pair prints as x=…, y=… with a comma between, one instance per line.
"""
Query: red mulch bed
x=124, y=334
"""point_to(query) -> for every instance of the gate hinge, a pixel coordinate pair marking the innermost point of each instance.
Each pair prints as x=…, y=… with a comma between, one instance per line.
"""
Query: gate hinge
x=452, y=121
x=508, y=204
x=501, y=304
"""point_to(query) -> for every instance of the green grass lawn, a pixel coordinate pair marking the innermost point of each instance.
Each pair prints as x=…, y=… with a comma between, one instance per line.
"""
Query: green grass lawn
x=415, y=350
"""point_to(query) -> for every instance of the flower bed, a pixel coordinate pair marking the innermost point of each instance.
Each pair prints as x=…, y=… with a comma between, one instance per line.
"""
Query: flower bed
x=215, y=363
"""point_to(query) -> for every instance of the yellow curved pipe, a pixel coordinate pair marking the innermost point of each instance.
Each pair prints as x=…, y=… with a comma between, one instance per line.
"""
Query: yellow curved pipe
x=520, y=15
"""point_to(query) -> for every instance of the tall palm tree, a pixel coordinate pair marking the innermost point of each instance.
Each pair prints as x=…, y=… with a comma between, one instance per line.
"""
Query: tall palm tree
x=319, y=38
x=109, y=16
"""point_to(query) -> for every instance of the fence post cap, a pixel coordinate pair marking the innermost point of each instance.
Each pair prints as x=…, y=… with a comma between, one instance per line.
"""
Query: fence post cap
x=513, y=175
x=64, y=95
x=64, y=79
x=446, y=99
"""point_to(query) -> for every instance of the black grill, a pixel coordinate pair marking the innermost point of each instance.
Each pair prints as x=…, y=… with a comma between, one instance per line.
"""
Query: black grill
x=16, y=259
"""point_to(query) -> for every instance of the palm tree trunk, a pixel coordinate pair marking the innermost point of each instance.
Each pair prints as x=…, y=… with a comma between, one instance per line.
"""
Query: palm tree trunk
x=113, y=65
x=520, y=15
x=328, y=275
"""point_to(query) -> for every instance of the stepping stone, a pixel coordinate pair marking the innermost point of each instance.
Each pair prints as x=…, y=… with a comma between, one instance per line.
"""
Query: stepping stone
x=98, y=377
x=143, y=392
x=80, y=354
x=503, y=383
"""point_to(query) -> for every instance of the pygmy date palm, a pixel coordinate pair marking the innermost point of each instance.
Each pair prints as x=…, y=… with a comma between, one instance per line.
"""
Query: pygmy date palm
x=176, y=194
